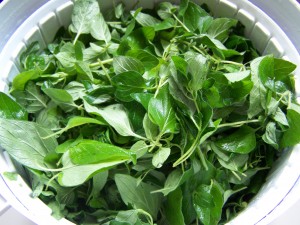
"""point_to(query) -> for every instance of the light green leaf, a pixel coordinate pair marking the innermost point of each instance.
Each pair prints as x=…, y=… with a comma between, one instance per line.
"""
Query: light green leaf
x=74, y=175
x=83, y=15
x=116, y=116
x=99, y=29
x=160, y=156
x=90, y=152
x=23, y=141
x=9, y=109
x=125, y=63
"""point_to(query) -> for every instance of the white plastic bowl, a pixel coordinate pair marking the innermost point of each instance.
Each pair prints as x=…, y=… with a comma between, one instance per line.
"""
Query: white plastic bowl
x=42, y=25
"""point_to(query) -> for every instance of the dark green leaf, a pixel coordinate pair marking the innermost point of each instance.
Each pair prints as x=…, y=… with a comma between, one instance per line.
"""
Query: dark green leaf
x=128, y=83
x=241, y=141
x=161, y=112
x=138, y=195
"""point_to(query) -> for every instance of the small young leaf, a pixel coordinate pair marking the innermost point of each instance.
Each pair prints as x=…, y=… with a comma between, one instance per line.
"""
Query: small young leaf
x=160, y=156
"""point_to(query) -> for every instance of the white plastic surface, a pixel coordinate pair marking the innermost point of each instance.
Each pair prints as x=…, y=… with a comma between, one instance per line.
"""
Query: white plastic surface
x=267, y=37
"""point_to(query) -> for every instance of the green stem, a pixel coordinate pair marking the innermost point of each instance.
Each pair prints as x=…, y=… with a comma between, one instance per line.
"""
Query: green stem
x=104, y=69
x=190, y=151
x=238, y=124
x=97, y=64
x=181, y=23
x=202, y=158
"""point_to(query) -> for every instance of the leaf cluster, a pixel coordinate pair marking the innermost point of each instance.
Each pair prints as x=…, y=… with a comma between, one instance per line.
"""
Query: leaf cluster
x=164, y=116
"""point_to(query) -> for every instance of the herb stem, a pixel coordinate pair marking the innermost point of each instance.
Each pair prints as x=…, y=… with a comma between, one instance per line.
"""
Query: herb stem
x=107, y=61
x=181, y=23
x=202, y=158
x=104, y=69
x=238, y=124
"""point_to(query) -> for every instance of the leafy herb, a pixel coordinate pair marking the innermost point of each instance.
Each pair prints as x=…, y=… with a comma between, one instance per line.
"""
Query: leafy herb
x=163, y=116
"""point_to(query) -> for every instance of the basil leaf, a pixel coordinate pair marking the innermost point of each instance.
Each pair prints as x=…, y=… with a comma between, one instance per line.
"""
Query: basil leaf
x=128, y=83
x=74, y=175
x=174, y=208
x=139, y=196
x=161, y=112
x=91, y=152
x=20, y=81
x=125, y=63
x=83, y=15
x=31, y=148
x=241, y=141
x=99, y=29
x=9, y=109
x=208, y=202
x=116, y=116
x=290, y=137
x=160, y=156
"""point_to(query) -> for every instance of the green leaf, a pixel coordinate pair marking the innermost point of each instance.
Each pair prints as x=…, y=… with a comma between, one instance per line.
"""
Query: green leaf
x=23, y=141
x=74, y=175
x=84, y=69
x=174, y=180
x=140, y=148
x=220, y=28
x=99, y=29
x=193, y=15
x=83, y=15
x=208, y=202
x=148, y=60
x=67, y=55
x=258, y=93
x=146, y=20
x=151, y=129
x=128, y=83
x=282, y=68
x=198, y=67
x=31, y=98
x=79, y=121
x=20, y=81
x=291, y=136
x=160, y=156
x=174, y=208
x=143, y=98
x=161, y=112
x=138, y=195
x=237, y=76
x=9, y=109
x=125, y=63
x=270, y=136
x=116, y=116
x=241, y=141
x=60, y=97
x=91, y=152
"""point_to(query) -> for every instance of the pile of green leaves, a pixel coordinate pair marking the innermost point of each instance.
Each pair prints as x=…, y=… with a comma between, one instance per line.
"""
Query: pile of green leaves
x=164, y=116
